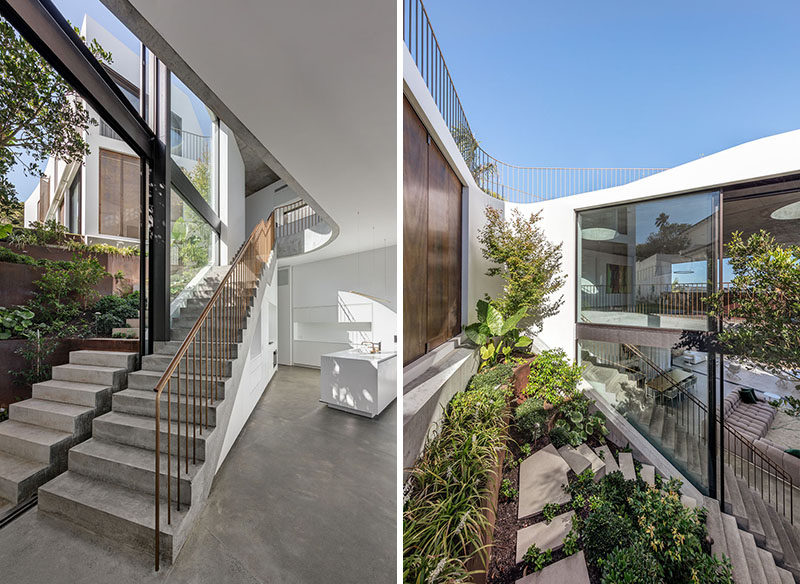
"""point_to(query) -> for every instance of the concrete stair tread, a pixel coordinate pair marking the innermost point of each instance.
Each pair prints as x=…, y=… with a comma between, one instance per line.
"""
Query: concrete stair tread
x=138, y=458
x=753, y=519
x=571, y=569
x=148, y=423
x=52, y=407
x=32, y=433
x=604, y=453
x=719, y=546
x=771, y=543
x=734, y=498
x=752, y=558
x=97, y=357
x=785, y=576
x=574, y=459
x=626, y=466
x=73, y=385
x=768, y=565
x=781, y=531
x=110, y=499
x=545, y=536
x=76, y=367
x=150, y=395
x=648, y=474
x=741, y=574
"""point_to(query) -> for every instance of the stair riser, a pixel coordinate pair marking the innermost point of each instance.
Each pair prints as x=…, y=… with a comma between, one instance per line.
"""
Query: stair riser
x=144, y=438
x=149, y=383
x=160, y=362
x=79, y=426
x=129, y=476
x=100, y=401
x=55, y=454
x=120, y=360
x=115, y=380
x=142, y=407
x=108, y=526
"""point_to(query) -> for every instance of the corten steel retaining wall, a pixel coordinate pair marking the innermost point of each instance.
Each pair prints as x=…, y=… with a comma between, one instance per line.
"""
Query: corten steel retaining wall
x=10, y=391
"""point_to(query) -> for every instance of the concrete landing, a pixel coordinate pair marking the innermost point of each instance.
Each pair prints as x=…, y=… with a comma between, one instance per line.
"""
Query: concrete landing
x=541, y=477
x=648, y=473
x=570, y=570
x=546, y=537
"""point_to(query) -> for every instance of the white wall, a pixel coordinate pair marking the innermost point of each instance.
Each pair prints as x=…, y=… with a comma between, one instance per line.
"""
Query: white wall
x=260, y=204
x=231, y=195
x=315, y=287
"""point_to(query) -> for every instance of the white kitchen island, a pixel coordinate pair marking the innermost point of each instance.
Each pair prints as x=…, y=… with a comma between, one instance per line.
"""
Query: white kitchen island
x=357, y=382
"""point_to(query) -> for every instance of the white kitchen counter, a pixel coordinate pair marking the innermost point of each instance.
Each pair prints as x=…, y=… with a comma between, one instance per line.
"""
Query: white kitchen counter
x=356, y=382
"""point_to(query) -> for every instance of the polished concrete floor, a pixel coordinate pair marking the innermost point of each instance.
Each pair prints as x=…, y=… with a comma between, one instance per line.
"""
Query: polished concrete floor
x=306, y=495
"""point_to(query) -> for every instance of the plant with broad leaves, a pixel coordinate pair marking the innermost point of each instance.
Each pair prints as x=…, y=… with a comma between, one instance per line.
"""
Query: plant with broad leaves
x=537, y=559
x=496, y=336
x=14, y=321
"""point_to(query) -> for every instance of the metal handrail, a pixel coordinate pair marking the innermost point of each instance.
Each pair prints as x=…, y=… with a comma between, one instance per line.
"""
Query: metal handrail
x=509, y=182
x=215, y=330
x=294, y=218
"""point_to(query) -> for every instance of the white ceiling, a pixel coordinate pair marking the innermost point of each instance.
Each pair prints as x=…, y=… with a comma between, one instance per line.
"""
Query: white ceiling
x=317, y=84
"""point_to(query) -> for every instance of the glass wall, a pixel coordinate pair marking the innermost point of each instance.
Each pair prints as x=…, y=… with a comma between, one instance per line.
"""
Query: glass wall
x=193, y=245
x=647, y=264
x=193, y=140
x=662, y=392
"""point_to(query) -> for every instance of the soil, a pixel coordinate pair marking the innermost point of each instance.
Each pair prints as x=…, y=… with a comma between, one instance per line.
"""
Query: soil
x=503, y=568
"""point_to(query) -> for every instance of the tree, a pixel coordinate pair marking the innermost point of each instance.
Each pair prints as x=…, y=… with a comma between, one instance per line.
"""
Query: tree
x=669, y=239
x=528, y=262
x=40, y=114
x=762, y=305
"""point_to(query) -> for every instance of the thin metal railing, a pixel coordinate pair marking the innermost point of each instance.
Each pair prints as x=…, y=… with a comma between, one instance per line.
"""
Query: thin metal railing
x=509, y=182
x=295, y=218
x=203, y=357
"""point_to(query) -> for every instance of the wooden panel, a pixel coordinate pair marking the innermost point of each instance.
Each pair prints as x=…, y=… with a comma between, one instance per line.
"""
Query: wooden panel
x=439, y=254
x=415, y=228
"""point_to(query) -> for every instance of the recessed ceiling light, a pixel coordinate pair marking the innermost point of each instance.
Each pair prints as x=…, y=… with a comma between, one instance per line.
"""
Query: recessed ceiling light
x=598, y=233
x=790, y=211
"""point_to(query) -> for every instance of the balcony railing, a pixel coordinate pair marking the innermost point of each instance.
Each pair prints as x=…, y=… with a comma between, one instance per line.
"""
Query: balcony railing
x=518, y=184
x=190, y=145
x=295, y=218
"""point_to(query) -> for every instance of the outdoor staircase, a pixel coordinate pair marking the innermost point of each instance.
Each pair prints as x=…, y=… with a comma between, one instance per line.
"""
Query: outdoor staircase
x=129, y=331
x=34, y=441
x=109, y=486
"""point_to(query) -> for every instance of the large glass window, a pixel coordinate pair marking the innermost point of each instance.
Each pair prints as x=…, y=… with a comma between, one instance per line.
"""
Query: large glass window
x=193, y=137
x=647, y=264
x=119, y=194
x=660, y=391
x=193, y=244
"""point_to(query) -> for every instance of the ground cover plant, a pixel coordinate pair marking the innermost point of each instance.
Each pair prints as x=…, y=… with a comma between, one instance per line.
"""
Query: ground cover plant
x=444, y=521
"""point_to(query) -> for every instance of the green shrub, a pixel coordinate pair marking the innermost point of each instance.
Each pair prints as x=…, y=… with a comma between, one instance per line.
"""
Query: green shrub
x=113, y=311
x=37, y=233
x=64, y=294
x=9, y=257
x=632, y=565
x=531, y=418
x=489, y=379
x=553, y=377
x=604, y=531
x=507, y=490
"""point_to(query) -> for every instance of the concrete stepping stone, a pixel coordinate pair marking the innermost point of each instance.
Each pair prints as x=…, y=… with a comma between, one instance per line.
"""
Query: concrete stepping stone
x=688, y=501
x=570, y=570
x=546, y=537
x=598, y=466
x=577, y=462
x=604, y=453
x=648, y=474
x=541, y=477
x=626, y=465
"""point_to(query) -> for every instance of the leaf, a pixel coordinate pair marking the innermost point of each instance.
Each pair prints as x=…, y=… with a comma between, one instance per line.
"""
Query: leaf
x=524, y=342
x=576, y=417
x=4, y=335
x=512, y=321
x=494, y=320
x=483, y=308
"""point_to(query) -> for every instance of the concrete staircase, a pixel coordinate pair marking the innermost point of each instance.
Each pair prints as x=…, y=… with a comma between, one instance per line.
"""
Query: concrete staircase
x=110, y=484
x=34, y=441
x=129, y=331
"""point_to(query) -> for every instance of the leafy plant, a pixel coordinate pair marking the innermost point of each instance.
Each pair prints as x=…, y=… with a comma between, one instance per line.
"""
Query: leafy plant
x=112, y=311
x=40, y=233
x=553, y=377
x=573, y=423
x=14, y=321
x=63, y=294
x=36, y=351
x=537, y=559
x=631, y=565
x=492, y=377
x=527, y=261
x=525, y=449
x=507, y=490
x=496, y=336
x=571, y=540
x=531, y=418
x=605, y=529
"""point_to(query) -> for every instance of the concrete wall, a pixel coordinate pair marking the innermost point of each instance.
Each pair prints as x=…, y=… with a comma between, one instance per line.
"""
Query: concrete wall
x=261, y=203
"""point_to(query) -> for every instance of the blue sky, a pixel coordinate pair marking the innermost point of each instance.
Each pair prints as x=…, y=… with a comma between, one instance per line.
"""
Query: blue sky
x=621, y=83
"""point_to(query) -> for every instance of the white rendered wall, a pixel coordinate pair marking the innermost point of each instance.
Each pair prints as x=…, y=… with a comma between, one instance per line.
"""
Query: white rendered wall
x=315, y=287
x=261, y=203
x=257, y=370
x=231, y=195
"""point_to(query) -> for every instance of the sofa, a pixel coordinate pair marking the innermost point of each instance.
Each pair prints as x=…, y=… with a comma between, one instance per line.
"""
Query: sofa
x=751, y=420
x=776, y=453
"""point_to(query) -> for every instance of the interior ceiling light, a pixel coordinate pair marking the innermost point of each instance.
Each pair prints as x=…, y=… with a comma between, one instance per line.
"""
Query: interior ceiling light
x=790, y=211
x=598, y=233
